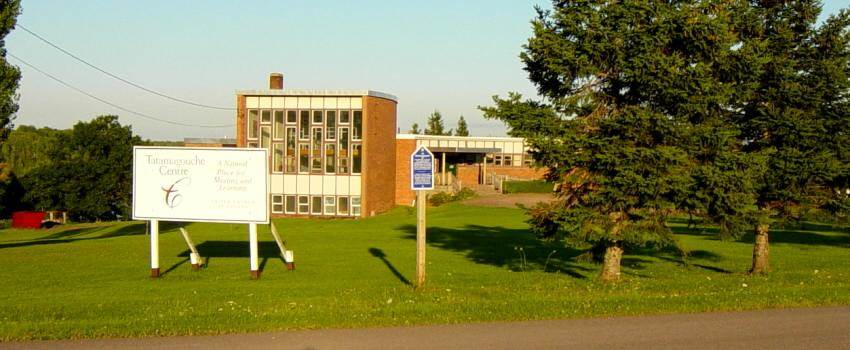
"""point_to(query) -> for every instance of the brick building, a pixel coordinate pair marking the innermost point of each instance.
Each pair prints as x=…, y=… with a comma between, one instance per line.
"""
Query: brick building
x=335, y=153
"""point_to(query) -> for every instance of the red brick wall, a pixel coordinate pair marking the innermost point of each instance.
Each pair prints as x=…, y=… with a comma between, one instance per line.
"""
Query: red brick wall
x=468, y=174
x=241, y=128
x=379, y=128
x=403, y=194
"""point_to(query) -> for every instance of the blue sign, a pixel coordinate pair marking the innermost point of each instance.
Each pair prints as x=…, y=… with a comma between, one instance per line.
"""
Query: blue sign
x=422, y=169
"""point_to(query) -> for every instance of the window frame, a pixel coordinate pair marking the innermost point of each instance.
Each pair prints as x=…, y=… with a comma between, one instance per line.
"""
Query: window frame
x=332, y=204
x=279, y=202
x=307, y=203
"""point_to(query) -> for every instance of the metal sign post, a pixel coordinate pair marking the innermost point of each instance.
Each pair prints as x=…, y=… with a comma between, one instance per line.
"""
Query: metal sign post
x=421, y=180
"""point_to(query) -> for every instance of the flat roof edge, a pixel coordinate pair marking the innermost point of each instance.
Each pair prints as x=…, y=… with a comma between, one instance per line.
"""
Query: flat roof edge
x=440, y=137
x=308, y=92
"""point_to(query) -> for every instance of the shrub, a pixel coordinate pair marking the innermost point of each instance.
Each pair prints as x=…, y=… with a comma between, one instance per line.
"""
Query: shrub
x=444, y=197
x=535, y=186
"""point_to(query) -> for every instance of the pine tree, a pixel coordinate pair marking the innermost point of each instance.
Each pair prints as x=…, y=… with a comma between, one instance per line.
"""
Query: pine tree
x=795, y=111
x=435, y=125
x=631, y=86
x=414, y=129
x=9, y=74
x=462, y=128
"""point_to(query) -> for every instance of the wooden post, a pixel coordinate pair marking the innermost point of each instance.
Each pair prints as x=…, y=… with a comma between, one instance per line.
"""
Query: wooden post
x=154, y=248
x=443, y=169
x=484, y=170
x=255, y=263
x=421, y=204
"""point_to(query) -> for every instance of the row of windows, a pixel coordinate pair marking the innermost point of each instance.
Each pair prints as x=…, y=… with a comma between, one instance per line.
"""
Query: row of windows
x=509, y=159
x=316, y=205
x=316, y=141
x=304, y=120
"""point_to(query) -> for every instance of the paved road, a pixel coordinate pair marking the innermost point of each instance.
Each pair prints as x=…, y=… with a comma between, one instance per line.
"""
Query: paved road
x=821, y=328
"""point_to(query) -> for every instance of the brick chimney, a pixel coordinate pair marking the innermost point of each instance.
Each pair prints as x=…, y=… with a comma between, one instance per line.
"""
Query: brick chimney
x=276, y=81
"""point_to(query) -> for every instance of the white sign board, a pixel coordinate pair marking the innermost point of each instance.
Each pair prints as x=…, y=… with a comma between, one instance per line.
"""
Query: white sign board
x=201, y=184
x=422, y=169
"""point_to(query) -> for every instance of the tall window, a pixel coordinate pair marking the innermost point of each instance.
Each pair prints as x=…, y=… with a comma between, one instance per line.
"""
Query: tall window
x=316, y=157
x=304, y=126
x=357, y=126
x=290, y=150
x=343, y=151
x=330, y=157
x=290, y=205
x=303, y=205
x=330, y=205
x=330, y=125
x=277, y=162
x=356, y=158
x=266, y=137
x=253, y=123
x=355, y=205
x=342, y=206
x=278, y=125
x=304, y=157
x=316, y=205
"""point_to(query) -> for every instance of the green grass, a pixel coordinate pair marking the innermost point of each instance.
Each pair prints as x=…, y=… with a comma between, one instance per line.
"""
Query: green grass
x=534, y=186
x=91, y=281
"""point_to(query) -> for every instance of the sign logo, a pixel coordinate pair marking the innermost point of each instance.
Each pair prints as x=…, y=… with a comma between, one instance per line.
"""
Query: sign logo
x=172, y=198
x=422, y=169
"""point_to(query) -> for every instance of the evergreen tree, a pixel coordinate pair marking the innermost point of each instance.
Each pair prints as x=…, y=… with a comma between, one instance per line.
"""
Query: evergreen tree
x=414, y=129
x=794, y=113
x=435, y=125
x=462, y=128
x=9, y=74
x=631, y=86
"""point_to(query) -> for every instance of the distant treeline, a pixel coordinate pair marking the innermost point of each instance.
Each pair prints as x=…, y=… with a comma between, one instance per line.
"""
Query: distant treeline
x=85, y=170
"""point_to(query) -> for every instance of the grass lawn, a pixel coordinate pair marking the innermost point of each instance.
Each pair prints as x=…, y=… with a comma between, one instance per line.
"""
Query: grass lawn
x=90, y=281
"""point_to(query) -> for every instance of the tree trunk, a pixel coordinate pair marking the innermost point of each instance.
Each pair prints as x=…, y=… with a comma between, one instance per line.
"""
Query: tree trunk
x=611, y=262
x=761, y=251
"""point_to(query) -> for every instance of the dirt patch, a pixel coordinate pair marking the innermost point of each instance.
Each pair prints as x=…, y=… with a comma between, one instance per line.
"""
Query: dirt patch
x=509, y=200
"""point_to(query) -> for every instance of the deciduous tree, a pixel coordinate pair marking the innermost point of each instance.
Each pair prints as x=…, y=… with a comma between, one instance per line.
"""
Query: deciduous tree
x=9, y=74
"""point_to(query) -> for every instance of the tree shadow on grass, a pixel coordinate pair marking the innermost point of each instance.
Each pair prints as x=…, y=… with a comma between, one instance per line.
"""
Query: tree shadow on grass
x=803, y=234
x=516, y=249
x=91, y=233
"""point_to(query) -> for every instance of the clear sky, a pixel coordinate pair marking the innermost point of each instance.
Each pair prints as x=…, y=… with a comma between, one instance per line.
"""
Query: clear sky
x=446, y=55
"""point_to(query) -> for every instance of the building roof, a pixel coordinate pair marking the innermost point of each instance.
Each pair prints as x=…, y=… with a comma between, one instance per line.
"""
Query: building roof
x=303, y=92
x=458, y=138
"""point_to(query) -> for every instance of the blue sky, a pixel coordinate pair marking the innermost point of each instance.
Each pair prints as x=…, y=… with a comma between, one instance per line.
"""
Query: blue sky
x=446, y=55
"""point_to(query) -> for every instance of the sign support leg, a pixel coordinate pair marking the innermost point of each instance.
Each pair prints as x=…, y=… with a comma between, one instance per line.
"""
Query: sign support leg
x=285, y=254
x=421, y=204
x=194, y=256
x=154, y=248
x=255, y=264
